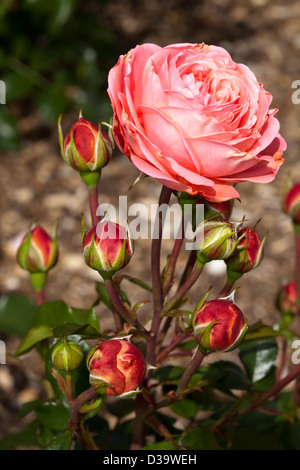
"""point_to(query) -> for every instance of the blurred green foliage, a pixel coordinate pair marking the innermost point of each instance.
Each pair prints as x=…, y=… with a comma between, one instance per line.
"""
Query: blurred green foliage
x=54, y=56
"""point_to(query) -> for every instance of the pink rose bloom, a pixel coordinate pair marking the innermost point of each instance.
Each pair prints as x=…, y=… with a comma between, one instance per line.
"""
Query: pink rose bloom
x=195, y=120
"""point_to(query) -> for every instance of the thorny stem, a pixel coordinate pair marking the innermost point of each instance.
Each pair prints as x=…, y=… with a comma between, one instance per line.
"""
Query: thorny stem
x=164, y=198
x=178, y=338
x=116, y=301
x=190, y=281
x=169, y=272
x=75, y=425
x=273, y=391
x=189, y=267
x=191, y=369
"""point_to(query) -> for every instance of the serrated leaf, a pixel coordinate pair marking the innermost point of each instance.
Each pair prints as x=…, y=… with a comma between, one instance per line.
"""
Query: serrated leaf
x=199, y=439
x=85, y=331
x=258, y=357
x=61, y=442
x=33, y=337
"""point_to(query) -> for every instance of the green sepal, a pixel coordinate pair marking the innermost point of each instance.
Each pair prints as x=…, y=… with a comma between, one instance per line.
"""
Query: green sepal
x=199, y=305
x=38, y=280
x=202, y=335
x=90, y=178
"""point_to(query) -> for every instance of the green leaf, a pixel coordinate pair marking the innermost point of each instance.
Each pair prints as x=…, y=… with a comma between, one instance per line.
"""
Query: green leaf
x=25, y=438
x=85, y=331
x=103, y=294
x=57, y=313
x=53, y=415
x=199, y=439
x=227, y=375
x=185, y=408
x=162, y=445
x=34, y=336
x=16, y=314
x=260, y=331
x=61, y=442
x=258, y=357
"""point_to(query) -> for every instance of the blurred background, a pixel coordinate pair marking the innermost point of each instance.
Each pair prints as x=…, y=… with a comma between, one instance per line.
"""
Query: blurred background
x=54, y=58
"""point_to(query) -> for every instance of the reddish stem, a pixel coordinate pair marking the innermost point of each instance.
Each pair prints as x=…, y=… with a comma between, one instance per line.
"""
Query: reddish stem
x=93, y=201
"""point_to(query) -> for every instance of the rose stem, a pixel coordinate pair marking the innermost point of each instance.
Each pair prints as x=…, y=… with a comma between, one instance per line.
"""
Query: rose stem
x=189, y=267
x=178, y=338
x=170, y=268
x=93, y=201
x=164, y=198
x=40, y=297
x=273, y=391
x=116, y=301
x=191, y=369
x=184, y=288
x=296, y=398
x=297, y=258
x=74, y=423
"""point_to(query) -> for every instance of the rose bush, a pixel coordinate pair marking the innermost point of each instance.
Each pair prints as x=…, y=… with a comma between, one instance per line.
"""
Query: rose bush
x=195, y=120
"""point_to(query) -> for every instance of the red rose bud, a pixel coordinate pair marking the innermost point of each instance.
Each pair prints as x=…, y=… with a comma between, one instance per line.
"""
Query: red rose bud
x=248, y=254
x=116, y=367
x=107, y=248
x=219, y=240
x=216, y=210
x=38, y=251
x=287, y=299
x=66, y=355
x=291, y=203
x=219, y=325
x=87, y=147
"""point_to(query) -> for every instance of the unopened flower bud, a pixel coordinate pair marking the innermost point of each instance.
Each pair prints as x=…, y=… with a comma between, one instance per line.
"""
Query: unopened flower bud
x=219, y=325
x=287, y=299
x=291, y=203
x=215, y=240
x=248, y=254
x=38, y=251
x=216, y=210
x=116, y=367
x=107, y=248
x=66, y=355
x=86, y=147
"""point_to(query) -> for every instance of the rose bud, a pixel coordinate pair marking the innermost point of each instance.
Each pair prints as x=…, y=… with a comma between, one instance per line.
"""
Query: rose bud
x=216, y=210
x=219, y=325
x=87, y=147
x=287, y=299
x=107, y=248
x=248, y=254
x=66, y=355
x=291, y=203
x=116, y=367
x=215, y=240
x=38, y=251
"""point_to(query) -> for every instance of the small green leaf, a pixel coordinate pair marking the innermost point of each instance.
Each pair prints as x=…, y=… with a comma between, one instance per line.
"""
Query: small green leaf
x=260, y=331
x=33, y=337
x=162, y=445
x=185, y=408
x=258, y=357
x=16, y=314
x=103, y=294
x=61, y=442
x=85, y=331
x=199, y=439
x=53, y=415
x=57, y=313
